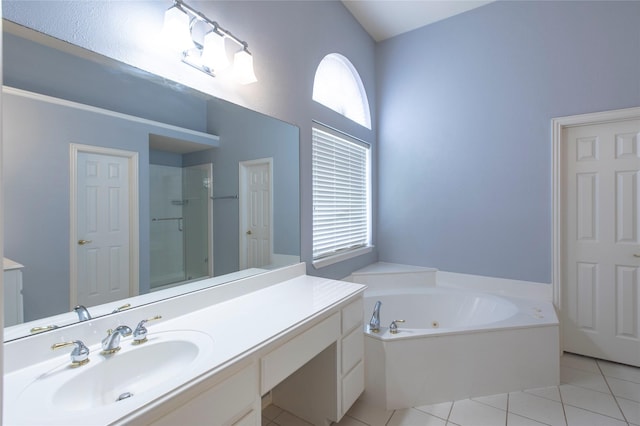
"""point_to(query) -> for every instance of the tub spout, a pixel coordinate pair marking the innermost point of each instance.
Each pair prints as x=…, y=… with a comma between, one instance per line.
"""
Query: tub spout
x=374, y=323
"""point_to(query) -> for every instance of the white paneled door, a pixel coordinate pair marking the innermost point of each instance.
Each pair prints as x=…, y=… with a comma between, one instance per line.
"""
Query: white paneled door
x=102, y=240
x=255, y=213
x=601, y=241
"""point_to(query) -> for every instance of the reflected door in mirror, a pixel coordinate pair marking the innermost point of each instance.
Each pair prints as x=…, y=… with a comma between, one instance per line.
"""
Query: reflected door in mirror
x=102, y=228
x=256, y=212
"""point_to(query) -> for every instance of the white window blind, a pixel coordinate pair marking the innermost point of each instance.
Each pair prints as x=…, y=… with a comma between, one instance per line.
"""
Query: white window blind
x=340, y=193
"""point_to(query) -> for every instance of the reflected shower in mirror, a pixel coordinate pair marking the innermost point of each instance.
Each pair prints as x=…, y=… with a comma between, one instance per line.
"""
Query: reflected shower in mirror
x=208, y=190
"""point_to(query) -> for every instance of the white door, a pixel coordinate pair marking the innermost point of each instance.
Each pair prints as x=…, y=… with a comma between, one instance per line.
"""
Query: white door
x=102, y=243
x=255, y=214
x=601, y=241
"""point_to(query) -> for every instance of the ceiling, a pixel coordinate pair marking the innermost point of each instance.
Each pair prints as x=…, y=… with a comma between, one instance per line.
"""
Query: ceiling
x=384, y=19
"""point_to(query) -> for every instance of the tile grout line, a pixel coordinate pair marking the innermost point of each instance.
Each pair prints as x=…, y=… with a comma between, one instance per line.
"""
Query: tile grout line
x=390, y=417
x=564, y=412
x=615, y=398
x=506, y=419
x=450, y=411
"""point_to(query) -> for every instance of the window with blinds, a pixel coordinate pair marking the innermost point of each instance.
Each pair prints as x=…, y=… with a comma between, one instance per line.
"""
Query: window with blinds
x=341, y=214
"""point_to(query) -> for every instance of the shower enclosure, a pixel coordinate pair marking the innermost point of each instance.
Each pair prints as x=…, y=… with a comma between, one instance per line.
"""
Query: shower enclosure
x=181, y=237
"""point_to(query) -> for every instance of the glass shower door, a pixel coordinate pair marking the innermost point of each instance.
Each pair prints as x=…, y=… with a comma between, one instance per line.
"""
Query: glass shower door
x=181, y=239
x=197, y=221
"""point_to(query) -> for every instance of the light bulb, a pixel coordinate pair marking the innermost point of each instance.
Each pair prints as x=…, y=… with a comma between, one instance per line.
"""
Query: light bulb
x=176, y=31
x=243, y=67
x=214, y=54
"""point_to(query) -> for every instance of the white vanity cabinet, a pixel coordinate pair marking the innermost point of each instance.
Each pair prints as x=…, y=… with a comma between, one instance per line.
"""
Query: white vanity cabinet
x=324, y=388
x=315, y=371
x=13, y=304
x=352, y=354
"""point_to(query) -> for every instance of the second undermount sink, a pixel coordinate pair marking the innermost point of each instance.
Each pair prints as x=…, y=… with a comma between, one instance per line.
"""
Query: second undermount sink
x=157, y=365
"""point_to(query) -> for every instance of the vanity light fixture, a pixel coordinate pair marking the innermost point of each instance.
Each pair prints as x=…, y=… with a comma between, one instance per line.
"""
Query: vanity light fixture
x=209, y=56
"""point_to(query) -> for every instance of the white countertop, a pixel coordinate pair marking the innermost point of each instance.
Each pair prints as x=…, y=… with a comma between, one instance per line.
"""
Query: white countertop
x=67, y=318
x=9, y=264
x=238, y=327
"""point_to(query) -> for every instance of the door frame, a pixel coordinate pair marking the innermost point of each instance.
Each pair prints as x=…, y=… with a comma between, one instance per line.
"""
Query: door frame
x=134, y=217
x=242, y=198
x=209, y=169
x=558, y=126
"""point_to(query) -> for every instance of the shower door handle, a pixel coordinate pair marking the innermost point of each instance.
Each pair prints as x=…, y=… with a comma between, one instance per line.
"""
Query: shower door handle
x=83, y=242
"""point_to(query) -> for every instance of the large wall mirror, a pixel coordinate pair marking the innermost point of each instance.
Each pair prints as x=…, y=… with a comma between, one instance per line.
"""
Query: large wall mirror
x=122, y=188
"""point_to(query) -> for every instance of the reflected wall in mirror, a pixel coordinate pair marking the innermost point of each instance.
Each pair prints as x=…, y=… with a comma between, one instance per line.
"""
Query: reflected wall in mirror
x=216, y=184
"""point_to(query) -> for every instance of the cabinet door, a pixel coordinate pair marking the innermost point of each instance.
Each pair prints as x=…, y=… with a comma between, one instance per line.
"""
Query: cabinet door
x=352, y=349
x=352, y=386
x=13, y=306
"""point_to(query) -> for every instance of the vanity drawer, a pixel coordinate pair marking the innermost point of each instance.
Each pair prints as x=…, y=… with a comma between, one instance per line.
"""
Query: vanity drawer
x=281, y=362
x=352, y=386
x=352, y=315
x=352, y=349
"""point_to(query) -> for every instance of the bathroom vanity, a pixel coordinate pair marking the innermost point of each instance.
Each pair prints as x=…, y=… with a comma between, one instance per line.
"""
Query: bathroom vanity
x=13, y=304
x=210, y=359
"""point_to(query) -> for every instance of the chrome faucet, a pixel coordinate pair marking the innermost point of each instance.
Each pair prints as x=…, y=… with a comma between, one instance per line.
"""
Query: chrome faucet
x=140, y=333
x=111, y=343
x=83, y=313
x=79, y=354
x=393, y=327
x=374, y=323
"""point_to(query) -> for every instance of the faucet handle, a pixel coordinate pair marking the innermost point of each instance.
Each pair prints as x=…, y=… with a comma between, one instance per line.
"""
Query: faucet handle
x=140, y=333
x=121, y=308
x=79, y=354
x=43, y=328
x=393, y=327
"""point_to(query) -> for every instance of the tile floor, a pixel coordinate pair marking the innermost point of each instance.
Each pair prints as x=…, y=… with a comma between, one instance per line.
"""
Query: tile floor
x=591, y=393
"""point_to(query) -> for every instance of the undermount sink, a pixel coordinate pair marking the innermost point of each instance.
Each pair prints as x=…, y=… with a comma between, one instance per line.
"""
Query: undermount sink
x=157, y=366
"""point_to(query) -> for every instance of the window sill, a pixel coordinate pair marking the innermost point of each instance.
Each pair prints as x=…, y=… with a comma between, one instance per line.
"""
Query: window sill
x=330, y=260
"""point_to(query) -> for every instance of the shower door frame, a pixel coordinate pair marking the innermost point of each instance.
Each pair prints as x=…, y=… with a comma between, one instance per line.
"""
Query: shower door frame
x=210, y=265
x=210, y=234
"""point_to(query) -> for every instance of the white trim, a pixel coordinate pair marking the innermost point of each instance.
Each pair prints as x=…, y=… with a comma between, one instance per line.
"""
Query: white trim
x=208, y=167
x=558, y=125
x=330, y=260
x=134, y=223
x=242, y=209
x=212, y=139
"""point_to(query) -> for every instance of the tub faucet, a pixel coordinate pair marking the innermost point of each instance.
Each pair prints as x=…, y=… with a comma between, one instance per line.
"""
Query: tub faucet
x=111, y=343
x=374, y=322
x=83, y=313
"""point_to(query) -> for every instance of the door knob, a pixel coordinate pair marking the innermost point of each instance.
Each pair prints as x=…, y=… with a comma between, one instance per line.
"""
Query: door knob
x=636, y=254
x=249, y=232
x=83, y=242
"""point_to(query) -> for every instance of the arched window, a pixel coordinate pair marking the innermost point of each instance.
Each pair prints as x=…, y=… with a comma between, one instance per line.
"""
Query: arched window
x=337, y=85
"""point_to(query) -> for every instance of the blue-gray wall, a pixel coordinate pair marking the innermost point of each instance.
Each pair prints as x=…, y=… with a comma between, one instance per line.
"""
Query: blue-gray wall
x=465, y=108
x=287, y=38
x=251, y=136
x=36, y=199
